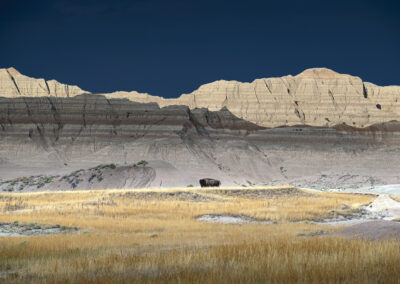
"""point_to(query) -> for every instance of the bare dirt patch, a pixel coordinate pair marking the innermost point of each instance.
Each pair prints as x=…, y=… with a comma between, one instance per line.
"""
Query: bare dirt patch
x=372, y=230
x=229, y=219
x=32, y=229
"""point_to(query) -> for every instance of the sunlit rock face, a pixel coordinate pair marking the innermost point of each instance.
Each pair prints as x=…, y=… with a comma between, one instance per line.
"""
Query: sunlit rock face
x=317, y=97
x=316, y=129
x=13, y=85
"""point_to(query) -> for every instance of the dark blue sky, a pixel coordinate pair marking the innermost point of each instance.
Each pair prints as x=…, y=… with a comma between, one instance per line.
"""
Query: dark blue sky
x=167, y=48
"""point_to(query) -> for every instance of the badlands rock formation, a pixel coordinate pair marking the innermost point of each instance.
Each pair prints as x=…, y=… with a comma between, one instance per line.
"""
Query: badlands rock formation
x=13, y=85
x=317, y=129
x=317, y=97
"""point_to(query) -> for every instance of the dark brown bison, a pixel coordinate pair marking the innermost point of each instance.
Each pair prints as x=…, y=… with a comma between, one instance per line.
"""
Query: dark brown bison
x=207, y=182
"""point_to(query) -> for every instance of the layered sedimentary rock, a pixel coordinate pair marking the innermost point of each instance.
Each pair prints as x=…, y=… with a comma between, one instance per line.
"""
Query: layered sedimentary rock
x=13, y=85
x=317, y=129
x=56, y=135
x=317, y=97
x=50, y=135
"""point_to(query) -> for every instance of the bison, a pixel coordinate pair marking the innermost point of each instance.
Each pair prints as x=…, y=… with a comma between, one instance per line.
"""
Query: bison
x=207, y=182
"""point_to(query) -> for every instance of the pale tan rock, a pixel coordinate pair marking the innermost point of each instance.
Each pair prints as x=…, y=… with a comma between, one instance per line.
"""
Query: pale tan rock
x=58, y=131
x=14, y=84
x=316, y=97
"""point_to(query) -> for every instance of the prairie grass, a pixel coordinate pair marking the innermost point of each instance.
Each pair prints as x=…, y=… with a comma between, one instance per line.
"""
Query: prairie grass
x=152, y=235
x=395, y=197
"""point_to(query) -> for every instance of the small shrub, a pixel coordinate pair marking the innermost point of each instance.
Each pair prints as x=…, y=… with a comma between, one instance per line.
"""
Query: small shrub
x=103, y=166
x=47, y=179
x=143, y=163
x=92, y=177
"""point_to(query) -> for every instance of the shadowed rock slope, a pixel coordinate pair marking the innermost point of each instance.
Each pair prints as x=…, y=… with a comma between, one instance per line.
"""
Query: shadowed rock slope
x=317, y=97
x=225, y=130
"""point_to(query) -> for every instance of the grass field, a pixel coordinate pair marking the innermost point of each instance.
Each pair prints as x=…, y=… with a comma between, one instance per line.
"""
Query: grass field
x=152, y=235
x=395, y=197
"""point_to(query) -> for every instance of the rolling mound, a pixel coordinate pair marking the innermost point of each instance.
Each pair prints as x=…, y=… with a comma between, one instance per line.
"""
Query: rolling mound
x=103, y=176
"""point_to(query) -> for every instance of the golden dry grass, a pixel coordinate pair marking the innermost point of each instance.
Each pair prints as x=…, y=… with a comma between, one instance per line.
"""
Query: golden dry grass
x=395, y=197
x=151, y=235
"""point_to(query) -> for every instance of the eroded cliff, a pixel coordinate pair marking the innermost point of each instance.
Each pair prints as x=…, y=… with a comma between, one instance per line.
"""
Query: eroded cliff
x=316, y=97
x=317, y=129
